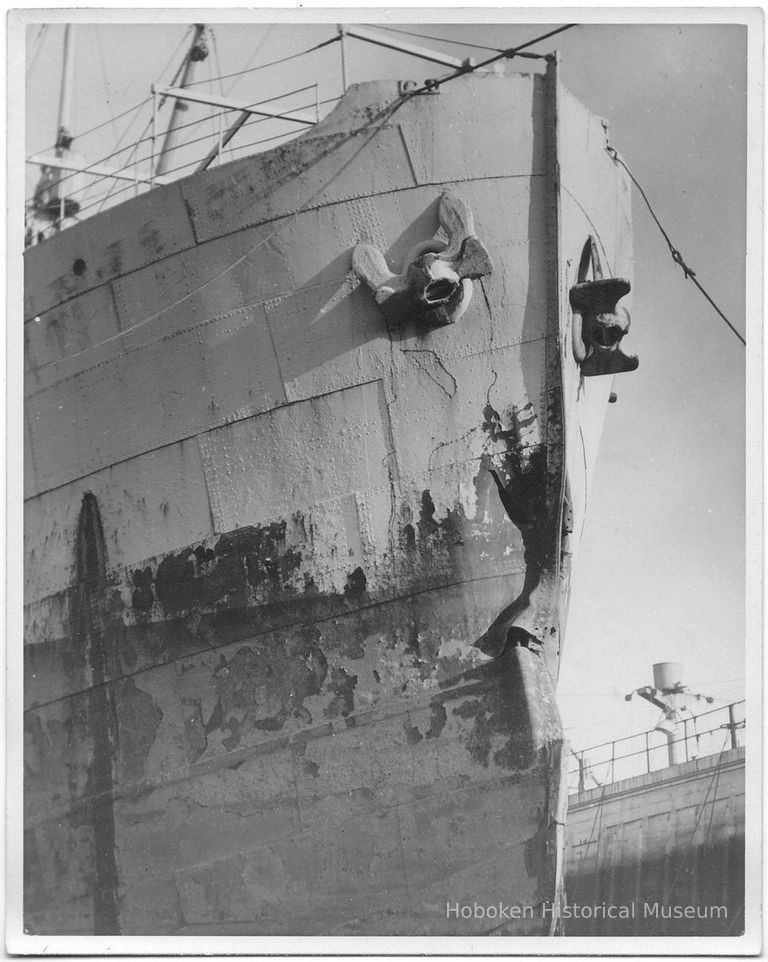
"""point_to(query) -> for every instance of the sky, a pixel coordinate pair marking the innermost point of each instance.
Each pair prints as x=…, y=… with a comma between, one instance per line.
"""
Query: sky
x=660, y=573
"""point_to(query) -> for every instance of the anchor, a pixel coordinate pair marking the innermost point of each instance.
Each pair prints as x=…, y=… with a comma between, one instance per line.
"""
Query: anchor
x=599, y=323
x=435, y=284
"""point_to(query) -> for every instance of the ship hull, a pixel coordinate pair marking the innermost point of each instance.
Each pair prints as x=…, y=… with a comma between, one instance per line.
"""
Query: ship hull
x=297, y=568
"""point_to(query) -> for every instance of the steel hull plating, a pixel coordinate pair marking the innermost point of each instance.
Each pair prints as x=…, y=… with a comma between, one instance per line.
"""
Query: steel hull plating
x=291, y=647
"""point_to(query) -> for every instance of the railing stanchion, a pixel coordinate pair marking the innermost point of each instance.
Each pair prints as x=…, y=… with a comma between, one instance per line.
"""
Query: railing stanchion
x=342, y=33
x=153, y=138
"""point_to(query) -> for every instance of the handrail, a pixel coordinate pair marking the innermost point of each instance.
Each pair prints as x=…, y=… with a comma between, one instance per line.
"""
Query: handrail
x=587, y=762
x=625, y=738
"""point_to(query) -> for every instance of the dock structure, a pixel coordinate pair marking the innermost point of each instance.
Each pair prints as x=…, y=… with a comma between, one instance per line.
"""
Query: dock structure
x=659, y=853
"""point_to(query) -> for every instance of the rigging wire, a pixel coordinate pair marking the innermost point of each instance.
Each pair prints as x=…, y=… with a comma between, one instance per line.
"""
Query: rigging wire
x=371, y=127
x=431, y=84
x=98, y=177
x=105, y=123
x=462, y=43
x=39, y=40
x=238, y=147
x=104, y=74
x=119, y=150
x=192, y=123
x=687, y=851
x=471, y=68
x=213, y=114
x=714, y=796
x=108, y=102
x=251, y=60
x=175, y=170
x=135, y=108
x=512, y=52
x=425, y=36
x=216, y=61
x=598, y=816
x=676, y=255
x=218, y=115
x=272, y=63
x=183, y=62
x=189, y=31
x=374, y=125
x=128, y=110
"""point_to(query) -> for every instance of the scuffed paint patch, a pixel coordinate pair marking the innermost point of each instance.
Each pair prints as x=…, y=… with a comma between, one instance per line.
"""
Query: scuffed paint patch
x=412, y=734
x=494, y=718
x=261, y=687
x=195, y=735
x=138, y=719
x=432, y=545
x=438, y=718
x=308, y=766
x=457, y=648
x=143, y=597
x=356, y=583
x=343, y=687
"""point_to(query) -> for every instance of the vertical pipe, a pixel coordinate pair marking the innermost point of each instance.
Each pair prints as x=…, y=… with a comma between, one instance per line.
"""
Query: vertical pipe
x=647, y=753
x=732, y=727
x=673, y=747
x=613, y=762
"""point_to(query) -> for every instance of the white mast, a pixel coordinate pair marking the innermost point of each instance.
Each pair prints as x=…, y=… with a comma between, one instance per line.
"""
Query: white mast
x=63, y=139
x=53, y=200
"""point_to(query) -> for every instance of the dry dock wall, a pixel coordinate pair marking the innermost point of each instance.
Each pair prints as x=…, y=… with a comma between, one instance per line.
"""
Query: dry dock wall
x=658, y=844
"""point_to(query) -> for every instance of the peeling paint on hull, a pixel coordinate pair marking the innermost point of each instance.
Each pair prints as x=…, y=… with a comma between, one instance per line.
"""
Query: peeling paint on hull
x=308, y=687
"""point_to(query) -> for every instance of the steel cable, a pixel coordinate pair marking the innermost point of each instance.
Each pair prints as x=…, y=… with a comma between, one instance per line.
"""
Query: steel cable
x=272, y=63
x=431, y=84
x=677, y=257
x=461, y=43
x=192, y=123
x=687, y=850
x=174, y=170
x=508, y=54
